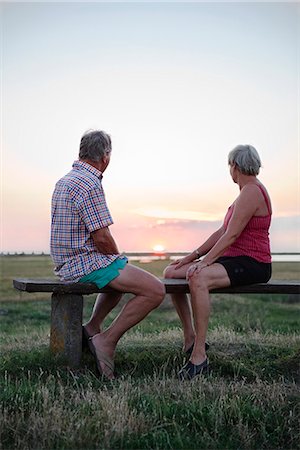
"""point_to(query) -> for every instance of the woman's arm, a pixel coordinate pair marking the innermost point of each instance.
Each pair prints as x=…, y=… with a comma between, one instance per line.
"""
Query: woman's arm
x=202, y=250
x=245, y=207
x=210, y=242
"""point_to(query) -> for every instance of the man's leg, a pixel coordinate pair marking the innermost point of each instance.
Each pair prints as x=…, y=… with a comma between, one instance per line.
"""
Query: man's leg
x=103, y=305
x=148, y=293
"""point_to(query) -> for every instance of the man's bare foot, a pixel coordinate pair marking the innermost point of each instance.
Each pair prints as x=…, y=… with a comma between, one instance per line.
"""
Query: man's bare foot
x=104, y=355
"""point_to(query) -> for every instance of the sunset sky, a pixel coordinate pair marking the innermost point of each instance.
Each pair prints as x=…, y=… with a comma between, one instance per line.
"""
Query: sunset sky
x=177, y=85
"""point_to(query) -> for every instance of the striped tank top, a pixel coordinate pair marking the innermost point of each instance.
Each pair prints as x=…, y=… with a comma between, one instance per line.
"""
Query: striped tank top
x=254, y=239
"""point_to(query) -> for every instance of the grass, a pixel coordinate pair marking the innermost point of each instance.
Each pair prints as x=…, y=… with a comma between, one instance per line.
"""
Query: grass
x=251, y=399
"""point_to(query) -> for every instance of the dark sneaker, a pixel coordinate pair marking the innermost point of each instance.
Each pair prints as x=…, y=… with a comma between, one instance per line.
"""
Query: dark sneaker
x=190, y=370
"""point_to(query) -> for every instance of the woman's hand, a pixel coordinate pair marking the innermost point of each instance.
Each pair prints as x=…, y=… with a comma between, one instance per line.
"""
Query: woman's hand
x=183, y=261
x=195, y=269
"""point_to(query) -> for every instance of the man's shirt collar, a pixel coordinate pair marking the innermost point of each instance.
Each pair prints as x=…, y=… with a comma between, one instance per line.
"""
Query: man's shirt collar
x=82, y=165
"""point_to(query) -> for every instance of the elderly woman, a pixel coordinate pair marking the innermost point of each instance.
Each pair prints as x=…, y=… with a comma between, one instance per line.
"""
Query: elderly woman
x=238, y=253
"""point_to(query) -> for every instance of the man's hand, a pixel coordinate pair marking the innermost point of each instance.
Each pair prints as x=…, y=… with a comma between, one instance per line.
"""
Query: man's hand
x=104, y=241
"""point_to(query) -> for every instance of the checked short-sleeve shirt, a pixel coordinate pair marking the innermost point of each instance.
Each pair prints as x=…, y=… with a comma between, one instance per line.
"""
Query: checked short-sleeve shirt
x=78, y=208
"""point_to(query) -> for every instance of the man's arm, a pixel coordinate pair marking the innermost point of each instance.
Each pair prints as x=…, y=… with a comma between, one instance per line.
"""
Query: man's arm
x=104, y=241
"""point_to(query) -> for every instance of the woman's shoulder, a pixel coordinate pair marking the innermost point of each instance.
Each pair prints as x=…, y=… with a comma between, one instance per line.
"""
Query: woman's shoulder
x=257, y=193
x=251, y=188
x=250, y=196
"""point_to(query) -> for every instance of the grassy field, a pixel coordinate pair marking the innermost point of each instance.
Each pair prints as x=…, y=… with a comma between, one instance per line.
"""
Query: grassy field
x=251, y=400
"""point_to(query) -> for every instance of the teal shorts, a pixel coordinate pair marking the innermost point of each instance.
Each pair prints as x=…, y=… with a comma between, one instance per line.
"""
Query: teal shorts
x=102, y=277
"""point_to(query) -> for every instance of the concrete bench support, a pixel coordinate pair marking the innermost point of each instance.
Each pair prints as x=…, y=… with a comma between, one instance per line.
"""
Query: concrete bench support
x=66, y=323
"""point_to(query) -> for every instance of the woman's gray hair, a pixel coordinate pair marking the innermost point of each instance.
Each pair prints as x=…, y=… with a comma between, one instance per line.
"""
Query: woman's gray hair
x=246, y=159
x=94, y=145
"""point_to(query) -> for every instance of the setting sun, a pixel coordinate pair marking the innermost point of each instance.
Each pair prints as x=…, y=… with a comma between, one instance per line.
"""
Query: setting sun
x=158, y=248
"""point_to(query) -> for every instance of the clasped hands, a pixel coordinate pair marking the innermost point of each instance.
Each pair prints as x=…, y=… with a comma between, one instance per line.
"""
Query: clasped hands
x=195, y=269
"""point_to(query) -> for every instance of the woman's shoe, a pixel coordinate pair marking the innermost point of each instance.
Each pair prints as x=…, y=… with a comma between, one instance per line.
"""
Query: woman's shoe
x=190, y=370
x=189, y=351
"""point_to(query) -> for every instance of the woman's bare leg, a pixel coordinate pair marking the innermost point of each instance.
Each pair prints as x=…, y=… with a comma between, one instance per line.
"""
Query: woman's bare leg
x=214, y=276
x=182, y=306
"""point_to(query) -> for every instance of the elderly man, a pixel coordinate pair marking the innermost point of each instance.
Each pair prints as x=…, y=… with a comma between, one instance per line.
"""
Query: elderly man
x=83, y=249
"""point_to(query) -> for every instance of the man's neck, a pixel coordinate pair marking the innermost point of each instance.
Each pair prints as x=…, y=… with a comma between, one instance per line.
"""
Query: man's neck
x=98, y=165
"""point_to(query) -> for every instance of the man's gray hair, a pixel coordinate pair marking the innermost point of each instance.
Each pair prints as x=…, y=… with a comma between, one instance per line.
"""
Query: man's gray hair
x=94, y=145
x=246, y=158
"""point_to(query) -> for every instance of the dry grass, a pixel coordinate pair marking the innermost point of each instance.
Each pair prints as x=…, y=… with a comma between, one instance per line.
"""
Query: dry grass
x=156, y=412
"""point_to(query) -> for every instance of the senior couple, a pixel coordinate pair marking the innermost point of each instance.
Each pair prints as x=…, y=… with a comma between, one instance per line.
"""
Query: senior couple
x=83, y=250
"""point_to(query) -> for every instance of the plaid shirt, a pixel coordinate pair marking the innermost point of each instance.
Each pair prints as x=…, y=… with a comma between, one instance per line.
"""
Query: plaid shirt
x=78, y=208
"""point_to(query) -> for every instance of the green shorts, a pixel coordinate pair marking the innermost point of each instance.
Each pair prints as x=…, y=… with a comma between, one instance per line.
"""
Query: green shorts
x=102, y=277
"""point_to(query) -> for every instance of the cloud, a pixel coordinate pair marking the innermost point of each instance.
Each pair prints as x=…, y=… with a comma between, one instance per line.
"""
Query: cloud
x=181, y=215
x=185, y=224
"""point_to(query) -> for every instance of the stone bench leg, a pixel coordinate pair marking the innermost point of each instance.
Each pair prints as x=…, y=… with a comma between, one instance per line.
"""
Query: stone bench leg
x=66, y=323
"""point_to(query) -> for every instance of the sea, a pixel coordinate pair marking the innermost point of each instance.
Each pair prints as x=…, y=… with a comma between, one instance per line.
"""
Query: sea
x=148, y=257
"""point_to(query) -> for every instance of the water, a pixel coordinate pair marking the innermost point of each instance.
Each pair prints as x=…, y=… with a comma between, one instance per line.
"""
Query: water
x=146, y=258
x=286, y=257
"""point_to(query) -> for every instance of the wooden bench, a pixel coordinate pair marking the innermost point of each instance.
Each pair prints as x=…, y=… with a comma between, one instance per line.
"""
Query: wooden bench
x=67, y=306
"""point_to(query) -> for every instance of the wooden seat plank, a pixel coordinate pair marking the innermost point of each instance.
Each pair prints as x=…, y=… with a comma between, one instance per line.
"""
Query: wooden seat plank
x=67, y=306
x=172, y=286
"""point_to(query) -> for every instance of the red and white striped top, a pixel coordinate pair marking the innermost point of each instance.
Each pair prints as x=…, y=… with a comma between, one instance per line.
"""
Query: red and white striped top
x=254, y=240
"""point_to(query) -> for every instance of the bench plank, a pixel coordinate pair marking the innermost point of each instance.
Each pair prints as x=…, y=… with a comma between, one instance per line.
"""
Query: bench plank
x=172, y=286
x=67, y=306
